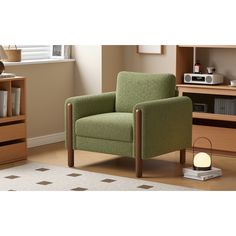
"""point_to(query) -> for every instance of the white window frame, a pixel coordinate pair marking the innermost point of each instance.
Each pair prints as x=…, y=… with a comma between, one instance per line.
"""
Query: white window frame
x=35, y=52
x=42, y=52
x=49, y=58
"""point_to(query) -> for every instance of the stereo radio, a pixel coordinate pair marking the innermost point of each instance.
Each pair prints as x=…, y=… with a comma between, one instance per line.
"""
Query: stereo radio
x=215, y=78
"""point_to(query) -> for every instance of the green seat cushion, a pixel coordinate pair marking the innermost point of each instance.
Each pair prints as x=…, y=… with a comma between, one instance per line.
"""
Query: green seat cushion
x=133, y=88
x=110, y=126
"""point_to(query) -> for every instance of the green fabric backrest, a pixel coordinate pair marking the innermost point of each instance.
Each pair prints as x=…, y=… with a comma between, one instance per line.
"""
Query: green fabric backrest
x=133, y=88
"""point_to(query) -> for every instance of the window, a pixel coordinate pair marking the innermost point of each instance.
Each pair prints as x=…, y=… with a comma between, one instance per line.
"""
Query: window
x=42, y=52
x=35, y=52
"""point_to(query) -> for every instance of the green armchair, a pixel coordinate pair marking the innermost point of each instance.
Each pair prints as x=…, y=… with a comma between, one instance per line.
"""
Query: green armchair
x=142, y=119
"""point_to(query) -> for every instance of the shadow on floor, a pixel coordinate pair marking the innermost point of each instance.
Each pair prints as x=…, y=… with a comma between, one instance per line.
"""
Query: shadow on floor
x=125, y=166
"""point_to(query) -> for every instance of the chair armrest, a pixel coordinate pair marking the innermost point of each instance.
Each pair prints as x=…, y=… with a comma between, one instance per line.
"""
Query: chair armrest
x=88, y=105
x=166, y=125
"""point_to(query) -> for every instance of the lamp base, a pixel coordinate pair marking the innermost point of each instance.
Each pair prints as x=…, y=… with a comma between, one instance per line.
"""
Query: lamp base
x=2, y=67
x=202, y=168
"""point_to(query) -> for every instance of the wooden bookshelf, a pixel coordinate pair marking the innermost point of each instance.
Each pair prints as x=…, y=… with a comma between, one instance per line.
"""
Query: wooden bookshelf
x=13, y=127
x=12, y=119
x=219, y=128
x=212, y=116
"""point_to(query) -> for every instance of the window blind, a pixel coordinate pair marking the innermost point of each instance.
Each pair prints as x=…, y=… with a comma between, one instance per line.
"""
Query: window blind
x=35, y=52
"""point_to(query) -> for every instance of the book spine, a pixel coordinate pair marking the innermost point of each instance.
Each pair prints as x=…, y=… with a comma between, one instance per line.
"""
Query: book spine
x=216, y=106
x=16, y=102
x=211, y=176
x=192, y=177
x=202, y=178
x=3, y=103
x=203, y=173
x=13, y=97
x=217, y=172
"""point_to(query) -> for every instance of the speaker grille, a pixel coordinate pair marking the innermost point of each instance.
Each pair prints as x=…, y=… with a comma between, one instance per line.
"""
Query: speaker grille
x=187, y=78
x=209, y=79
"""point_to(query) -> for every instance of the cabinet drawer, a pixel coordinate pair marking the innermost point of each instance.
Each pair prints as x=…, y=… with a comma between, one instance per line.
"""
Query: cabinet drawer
x=12, y=132
x=222, y=139
x=13, y=152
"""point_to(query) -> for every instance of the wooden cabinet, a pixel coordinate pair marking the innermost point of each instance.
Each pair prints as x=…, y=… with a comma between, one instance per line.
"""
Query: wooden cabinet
x=13, y=126
x=219, y=128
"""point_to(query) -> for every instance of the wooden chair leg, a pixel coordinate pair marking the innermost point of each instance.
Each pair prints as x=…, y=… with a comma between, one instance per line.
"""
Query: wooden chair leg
x=138, y=158
x=182, y=156
x=138, y=167
x=69, y=136
x=70, y=157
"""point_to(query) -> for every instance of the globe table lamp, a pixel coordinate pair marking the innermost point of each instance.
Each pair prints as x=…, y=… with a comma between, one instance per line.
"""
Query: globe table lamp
x=3, y=56
x=202, y=161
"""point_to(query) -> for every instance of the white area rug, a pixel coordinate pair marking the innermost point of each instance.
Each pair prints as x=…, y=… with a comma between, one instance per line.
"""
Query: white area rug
x=43, y=177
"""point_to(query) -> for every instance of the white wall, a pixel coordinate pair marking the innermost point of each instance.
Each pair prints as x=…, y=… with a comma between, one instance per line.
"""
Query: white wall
x=88, y=69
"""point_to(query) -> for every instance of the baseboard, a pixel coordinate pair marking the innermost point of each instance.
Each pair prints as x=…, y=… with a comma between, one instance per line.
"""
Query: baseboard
x=47, y=139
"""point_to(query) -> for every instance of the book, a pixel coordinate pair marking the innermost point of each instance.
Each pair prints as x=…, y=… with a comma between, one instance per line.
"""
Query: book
x=16, y=93
x=199, y=173
x=7, y=75
x=202, y=178
x=225, y=106
x=13, y=100
x=3, y=103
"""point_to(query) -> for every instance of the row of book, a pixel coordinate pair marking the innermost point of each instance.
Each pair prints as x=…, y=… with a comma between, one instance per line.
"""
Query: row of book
x=225, y=106
x=202, y=175
x=15, y=95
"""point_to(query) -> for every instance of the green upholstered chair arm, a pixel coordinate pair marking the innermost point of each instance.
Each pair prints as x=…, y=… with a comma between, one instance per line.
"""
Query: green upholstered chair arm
x=88, y=105
x=166, y=125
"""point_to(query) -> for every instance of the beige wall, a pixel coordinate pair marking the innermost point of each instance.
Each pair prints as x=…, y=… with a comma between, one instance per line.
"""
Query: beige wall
x=118, y=58
x=95, y=71
x=88, y=69
x=223, y=59
x=48, y=85
x=150, y=63
x=112, y=64
x=97, y=66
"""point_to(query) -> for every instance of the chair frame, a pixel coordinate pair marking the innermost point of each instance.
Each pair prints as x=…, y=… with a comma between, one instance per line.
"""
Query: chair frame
x=138, y=141
x=69, y=136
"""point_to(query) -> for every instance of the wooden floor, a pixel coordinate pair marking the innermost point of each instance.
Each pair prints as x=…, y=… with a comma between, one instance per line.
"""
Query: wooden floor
x=164, y=169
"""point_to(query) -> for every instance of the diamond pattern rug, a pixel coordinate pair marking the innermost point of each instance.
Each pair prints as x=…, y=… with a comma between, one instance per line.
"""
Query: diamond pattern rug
x=42, y=177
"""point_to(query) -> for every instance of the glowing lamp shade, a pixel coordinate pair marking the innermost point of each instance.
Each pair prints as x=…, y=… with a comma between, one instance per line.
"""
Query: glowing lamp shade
x=202, y=161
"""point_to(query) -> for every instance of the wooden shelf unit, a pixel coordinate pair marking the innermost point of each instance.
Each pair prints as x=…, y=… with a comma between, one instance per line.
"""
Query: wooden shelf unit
x=219, y=128
x=13, y=127
x=212, y=116
x=185, y=58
